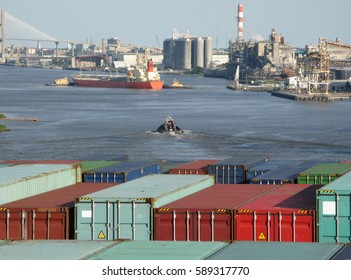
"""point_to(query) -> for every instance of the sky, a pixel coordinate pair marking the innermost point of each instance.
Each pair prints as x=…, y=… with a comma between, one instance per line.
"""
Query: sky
x=150, y=22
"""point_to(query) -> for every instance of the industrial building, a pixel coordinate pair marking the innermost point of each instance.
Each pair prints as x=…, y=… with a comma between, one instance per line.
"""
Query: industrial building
x=183, y=51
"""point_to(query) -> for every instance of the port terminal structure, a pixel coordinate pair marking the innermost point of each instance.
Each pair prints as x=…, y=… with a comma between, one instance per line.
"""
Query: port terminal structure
x=313, y=80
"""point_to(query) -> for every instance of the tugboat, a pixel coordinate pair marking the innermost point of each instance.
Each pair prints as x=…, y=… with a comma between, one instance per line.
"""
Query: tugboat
x=176, y=84
x=169, y=126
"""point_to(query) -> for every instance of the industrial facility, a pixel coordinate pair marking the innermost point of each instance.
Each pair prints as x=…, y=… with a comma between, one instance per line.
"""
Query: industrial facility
x=183, y=51
x=310, y=70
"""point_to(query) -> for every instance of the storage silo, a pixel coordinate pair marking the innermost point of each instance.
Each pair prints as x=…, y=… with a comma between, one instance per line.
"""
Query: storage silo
x=197, y=47
x=168, y=49
x=182, y=54
x=207, y=51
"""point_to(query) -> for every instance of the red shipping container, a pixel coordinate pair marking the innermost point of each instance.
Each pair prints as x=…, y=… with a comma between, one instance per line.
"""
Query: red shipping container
x=196, y=167
x=48, y=215
x=206, y=215
x=43, y=223
x=285, y=214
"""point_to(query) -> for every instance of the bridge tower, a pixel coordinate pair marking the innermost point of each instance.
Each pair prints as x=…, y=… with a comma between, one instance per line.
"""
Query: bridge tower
x=2, y=33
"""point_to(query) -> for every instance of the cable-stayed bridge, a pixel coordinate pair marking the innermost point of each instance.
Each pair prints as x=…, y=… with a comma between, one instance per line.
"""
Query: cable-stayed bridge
x=13, y=29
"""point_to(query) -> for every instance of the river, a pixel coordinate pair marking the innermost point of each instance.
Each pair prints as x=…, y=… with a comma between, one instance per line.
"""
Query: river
x=98, y=123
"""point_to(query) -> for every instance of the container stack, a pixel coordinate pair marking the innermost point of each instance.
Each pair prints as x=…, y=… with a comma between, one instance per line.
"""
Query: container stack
x=126, y=211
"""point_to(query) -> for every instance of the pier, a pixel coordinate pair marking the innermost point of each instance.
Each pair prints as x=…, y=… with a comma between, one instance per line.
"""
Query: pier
x=312, y=97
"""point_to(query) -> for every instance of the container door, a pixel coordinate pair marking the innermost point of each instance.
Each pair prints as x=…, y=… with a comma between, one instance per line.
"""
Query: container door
x=334, y=217
x=180, y=225
x=113, y=220
x=131, y=220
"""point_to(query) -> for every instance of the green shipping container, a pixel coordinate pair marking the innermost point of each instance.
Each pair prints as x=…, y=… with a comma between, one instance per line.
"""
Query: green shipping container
x=334, y=211
x=323, y=173
x=126, y=211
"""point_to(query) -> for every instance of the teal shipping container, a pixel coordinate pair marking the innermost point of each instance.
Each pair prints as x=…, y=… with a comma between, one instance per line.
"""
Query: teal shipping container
x=50, y=249
x=126, y=211
x=22, y=181
x=107, y=250
x=277, y=251
x=159, y=250
x=334, y=211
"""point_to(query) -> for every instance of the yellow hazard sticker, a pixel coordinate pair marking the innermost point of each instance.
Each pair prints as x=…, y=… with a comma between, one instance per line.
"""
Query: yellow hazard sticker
x=262, y=236
x=101, y=235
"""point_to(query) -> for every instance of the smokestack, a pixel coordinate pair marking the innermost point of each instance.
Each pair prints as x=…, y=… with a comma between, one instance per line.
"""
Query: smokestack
x=240, y=23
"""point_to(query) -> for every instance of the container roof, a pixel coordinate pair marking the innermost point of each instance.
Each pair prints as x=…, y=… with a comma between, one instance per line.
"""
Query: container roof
x=18, y=172
x=278, y=251
x=341, y=185
x=50, y=249
x=159, y=250
x=150, y=186
x=327, y=169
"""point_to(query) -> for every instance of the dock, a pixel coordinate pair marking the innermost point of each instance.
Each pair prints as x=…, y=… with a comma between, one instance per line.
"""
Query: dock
x=331, y=97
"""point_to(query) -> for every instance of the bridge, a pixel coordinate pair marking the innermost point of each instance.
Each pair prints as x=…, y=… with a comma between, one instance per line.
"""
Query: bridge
x=13, y=29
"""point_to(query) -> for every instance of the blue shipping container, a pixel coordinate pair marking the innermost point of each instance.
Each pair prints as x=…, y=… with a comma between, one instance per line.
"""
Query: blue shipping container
x=283, y=175
x=268, y=166
x=122, y=172
x=233, y=170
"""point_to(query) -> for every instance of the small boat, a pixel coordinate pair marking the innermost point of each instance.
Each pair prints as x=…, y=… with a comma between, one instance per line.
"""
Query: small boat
x=169, y=126
x=176, y=84
x=61, y=82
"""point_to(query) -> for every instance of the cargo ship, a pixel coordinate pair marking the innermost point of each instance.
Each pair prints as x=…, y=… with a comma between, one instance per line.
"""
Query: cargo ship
x=137, y=77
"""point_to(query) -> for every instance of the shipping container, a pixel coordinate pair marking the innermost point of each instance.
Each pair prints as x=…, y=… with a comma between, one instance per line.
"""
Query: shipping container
x=206, y=215
x=122, y=172
x=167, y=165
x=287, y=214
x=24, y=218
x=282, y=175
x=106, y=250
x=88, y=165
x=277, y=251
x=158, y=250
x=51, y=249
x=42, y=223
x=21, y=181
x=126, y=211
x=268, y=166
x=323, y=173
x=195, y=167
x=344, y=253
x=233, y=170
x=334, y=211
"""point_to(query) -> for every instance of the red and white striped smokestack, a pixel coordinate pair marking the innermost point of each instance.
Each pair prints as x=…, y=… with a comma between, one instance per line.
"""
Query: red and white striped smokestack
x=240, y=23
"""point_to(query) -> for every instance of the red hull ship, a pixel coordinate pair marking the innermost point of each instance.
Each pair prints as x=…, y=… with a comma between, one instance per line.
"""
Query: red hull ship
x=136, y=78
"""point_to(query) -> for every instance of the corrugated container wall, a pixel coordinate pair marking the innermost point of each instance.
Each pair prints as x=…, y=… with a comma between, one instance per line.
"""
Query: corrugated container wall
x=334, y=211
x=233, y=170
x=20, y=181
x=49, y=215
x=287, y=213
x=126, y=211
x=121, y=173
x=323, y=173
x=34, y=224
x=206, y=215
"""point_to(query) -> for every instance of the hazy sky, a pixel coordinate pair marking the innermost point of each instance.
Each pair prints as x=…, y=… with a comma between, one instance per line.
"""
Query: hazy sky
x=149, y=22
